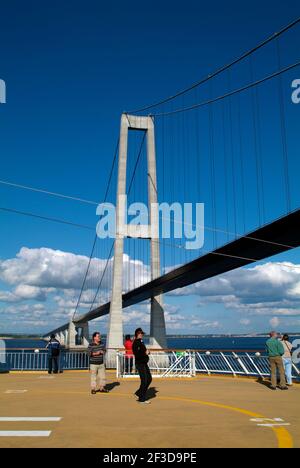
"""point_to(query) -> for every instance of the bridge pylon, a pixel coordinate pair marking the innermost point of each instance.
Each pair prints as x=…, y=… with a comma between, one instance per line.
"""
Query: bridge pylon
x=147, y=232
x=77, y=335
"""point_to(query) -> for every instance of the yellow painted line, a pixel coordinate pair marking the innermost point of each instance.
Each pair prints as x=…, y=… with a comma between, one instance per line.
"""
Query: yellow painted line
x=284, y=438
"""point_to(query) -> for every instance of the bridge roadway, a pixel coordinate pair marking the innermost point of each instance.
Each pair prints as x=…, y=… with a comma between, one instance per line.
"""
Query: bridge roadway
x=272, y=239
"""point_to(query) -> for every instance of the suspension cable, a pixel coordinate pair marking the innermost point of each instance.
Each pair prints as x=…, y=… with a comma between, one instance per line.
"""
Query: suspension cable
x=46, y=218
x=95, y=238
x=129, y=190
x=46, y=192
x=232, y=93
x=222, y=69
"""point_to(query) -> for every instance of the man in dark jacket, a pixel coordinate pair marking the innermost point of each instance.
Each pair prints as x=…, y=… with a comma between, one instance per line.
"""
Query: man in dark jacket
x=141, y=355
x=53, y=354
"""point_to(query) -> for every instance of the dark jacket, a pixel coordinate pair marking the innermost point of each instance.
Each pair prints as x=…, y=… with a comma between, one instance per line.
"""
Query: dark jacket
x=139, y=351
x=53, y=348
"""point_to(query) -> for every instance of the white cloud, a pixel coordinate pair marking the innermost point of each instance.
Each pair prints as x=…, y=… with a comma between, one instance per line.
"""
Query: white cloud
x=54, y=277
x=274, y=322
x=245, y=322
x=24, y=291
x=268, y=289
x=204, y=324
x=48, y=268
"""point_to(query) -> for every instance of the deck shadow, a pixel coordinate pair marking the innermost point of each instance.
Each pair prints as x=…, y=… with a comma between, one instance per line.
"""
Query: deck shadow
x=151, y=393
x=112, y=385
x=265, y=383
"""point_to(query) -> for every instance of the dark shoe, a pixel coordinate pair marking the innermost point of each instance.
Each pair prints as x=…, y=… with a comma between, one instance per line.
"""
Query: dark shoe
x=137, y=393
x=93, y=392
x=283, y=388
x=273, y=388
x=104, y=390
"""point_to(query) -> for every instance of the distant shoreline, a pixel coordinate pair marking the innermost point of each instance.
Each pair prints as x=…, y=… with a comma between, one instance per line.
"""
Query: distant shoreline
x=20, y=337
x=259, y=335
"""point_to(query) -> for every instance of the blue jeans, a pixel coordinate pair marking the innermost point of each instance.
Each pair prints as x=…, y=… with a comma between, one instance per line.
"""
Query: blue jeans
x=287, y=362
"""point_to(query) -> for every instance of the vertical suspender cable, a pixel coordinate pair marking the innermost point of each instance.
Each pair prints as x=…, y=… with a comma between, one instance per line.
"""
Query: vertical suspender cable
x=283, y=133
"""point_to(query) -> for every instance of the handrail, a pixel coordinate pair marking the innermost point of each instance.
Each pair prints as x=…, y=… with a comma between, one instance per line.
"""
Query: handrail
x=180, y=350
x=189, y=363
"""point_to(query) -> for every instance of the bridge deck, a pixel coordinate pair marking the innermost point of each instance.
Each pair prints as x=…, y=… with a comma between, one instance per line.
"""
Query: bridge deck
x=200, y=412
x=272, y=239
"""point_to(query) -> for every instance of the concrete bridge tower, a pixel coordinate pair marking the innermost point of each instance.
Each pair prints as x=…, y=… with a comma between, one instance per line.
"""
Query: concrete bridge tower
x=150, y=231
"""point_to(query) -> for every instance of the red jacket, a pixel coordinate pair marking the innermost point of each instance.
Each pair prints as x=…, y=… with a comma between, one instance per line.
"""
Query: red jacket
x=128, y=348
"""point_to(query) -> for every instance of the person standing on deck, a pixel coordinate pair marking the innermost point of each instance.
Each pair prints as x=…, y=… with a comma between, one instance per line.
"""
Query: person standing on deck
x=128, y=354
x=141, y=355
x=53, y=354
x=275, y=351
x=287, y=359
x=96, y=352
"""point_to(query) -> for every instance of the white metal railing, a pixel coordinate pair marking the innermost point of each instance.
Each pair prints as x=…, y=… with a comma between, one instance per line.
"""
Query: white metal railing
x=233, y=363
x=161, y=364
x=29, y=360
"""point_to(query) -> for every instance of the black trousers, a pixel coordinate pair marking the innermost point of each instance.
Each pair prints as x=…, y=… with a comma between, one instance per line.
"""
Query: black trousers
x=128, y=364
x=53, y=364
x=146, y=379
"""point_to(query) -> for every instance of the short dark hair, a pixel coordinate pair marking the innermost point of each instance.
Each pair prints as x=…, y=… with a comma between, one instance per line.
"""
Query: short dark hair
x=95, y=334
x=127, y=337
x=286, y=337
x=52, y=336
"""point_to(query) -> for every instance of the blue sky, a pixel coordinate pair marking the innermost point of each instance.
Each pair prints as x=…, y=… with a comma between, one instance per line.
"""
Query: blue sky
x=70, y=71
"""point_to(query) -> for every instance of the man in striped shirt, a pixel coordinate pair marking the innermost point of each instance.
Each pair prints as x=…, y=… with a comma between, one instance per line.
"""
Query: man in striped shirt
x=96, y=352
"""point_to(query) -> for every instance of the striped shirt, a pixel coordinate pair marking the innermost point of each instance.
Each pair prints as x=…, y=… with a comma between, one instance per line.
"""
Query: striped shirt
x=95, y=348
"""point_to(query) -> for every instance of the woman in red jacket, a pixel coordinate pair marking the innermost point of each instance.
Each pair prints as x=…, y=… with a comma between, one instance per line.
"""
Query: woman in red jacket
x=128, y=354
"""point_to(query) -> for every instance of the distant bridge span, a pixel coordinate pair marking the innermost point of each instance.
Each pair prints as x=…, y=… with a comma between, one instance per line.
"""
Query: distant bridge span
x=272, y=239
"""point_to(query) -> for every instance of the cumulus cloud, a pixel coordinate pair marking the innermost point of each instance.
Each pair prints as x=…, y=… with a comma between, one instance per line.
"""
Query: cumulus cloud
x=274, y=322
x=54, y=277
x=268, y=289
x=48, y=268
x=203, y=324
x=24, y=291
x=245, y=322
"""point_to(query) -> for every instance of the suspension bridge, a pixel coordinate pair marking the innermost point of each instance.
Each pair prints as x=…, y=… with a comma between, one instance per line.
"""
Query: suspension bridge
x=229, y=141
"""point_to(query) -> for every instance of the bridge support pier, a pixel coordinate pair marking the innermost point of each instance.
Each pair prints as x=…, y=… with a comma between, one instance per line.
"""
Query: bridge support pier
x=61, y=338
x=84, y=334
x=148, y=232
x=75, y=333
x=71, y=340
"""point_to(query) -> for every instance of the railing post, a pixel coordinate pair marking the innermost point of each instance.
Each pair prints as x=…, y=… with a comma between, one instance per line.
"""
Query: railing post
x=117, y=365
x=296, y=368
x=194, y=364
x=203, y=362
x=239, y=360
x=254, y=365
x=22, y=364
x=228, y=364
